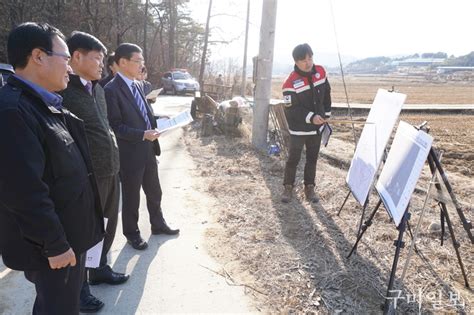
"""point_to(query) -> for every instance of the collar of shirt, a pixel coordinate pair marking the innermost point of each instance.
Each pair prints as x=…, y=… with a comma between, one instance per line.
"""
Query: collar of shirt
x=84, y=81
x=127, y=81
x=49, y=98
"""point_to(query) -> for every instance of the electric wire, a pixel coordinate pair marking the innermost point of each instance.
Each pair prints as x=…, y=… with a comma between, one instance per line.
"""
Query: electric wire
x=349, y=109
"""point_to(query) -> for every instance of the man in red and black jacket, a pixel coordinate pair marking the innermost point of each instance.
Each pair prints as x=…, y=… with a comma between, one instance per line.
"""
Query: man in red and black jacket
x=307, y=97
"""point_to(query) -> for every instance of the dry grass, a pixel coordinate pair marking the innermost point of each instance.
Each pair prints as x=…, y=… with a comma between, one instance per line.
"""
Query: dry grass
x=294, y=256
x=453, y=135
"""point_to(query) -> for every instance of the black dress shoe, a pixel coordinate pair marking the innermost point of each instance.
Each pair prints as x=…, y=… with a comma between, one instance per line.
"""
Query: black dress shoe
x=165, y=229
x=138, y=243
x=106, y=275
x=90, y=304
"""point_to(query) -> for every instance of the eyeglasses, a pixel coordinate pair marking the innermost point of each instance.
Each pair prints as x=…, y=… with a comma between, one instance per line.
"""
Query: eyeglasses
x=66, y=56
x=139, y=61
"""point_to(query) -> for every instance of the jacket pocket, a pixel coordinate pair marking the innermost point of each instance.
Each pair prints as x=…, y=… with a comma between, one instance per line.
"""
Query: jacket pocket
x=65, y=157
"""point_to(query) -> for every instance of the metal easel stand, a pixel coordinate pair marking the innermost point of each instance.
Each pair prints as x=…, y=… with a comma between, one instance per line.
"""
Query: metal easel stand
x=435, y=165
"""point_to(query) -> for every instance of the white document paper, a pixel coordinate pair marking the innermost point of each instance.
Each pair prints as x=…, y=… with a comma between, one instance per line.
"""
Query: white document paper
x=370, y=149
x=153, y=94
x=326, y=134
x=95, y=252
x=403, y=167
x=182, y=119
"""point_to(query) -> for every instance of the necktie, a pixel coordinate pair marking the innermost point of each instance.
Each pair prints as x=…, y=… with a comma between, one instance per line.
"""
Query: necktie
x=89, y=87
x=141, y=105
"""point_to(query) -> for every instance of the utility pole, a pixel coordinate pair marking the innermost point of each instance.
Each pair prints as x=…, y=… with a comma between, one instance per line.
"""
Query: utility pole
x=173, y=20
x=244, y=66
x=204, y=49
x=264, y=74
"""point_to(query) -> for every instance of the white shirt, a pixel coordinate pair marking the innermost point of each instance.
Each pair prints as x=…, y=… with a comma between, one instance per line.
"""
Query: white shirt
x=127, y=81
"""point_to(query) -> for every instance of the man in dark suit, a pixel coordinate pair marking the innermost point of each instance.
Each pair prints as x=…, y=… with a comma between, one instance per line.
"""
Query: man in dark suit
x=50, y=212
x=134, y=124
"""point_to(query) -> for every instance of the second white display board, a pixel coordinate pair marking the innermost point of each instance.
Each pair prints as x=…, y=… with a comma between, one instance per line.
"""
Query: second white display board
x=403, y=167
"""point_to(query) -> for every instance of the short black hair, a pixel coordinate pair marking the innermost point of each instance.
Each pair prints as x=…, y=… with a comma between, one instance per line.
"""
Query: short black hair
x=126, y=51
x=26, y=37
x=85, y=42
x=300, y=52
x=110, y=60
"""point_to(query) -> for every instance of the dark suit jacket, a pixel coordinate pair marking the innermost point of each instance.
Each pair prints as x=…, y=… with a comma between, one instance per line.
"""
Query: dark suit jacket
x=48, y=197
x=103, y=82
x=128, y=124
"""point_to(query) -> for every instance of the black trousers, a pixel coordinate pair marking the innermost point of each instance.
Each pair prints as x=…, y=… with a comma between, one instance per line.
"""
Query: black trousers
x=146, y=178
x=57, y=290
x=109, y=192
x=312, y=143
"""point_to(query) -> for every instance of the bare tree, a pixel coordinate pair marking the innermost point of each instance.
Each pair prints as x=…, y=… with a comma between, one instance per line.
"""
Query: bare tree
x=173, y=12
x=163, y=28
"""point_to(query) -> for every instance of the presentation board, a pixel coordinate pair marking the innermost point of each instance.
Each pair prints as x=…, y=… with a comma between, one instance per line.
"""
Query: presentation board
x=403, y=167
x=374, y=137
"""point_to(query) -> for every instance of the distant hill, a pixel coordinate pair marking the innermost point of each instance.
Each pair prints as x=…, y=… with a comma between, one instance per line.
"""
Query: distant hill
x=462, y=61
x=382, y=64
x=283, y=63
x=371, y=65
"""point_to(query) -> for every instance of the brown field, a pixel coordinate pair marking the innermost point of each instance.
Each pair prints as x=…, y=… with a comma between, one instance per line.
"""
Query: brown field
x=291, y=258
x=453, y=134
x=362, y=89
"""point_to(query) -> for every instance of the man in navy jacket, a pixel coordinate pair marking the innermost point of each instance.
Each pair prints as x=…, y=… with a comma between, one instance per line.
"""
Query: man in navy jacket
x=50, y=212
x=134, y=125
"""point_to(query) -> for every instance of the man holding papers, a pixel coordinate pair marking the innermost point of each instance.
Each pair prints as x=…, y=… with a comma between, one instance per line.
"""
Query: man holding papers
x=134, y=124
x=307, y=97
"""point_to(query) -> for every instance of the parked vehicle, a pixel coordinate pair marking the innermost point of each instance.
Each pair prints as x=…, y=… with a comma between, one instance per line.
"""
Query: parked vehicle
x=179, y=81
x=5, y=71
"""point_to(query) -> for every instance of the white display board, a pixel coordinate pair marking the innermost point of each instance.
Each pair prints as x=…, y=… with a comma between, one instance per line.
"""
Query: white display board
x=403, y=167
x=370, y=149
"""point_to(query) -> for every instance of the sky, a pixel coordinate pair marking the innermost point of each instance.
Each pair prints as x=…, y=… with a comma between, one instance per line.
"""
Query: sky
x=365, y=28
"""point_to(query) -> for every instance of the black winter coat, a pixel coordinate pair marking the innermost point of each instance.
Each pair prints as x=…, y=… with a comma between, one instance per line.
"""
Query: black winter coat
x=306, y=95
x=48, y=196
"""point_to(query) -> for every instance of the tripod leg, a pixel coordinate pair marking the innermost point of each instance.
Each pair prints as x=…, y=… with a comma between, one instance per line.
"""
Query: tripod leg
x=443, y=231
x=399, y=245
x=364, y=228
x=345, y=200
x=409, y=230
x=411, y=235
x=455, y=243
x=434, y=161
x=363, y=213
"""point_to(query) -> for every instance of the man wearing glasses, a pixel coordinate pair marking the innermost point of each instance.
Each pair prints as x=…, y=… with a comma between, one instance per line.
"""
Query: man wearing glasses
x=134, y=124
x=50, y=212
